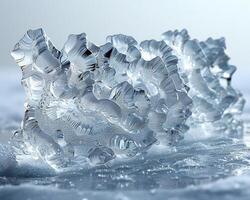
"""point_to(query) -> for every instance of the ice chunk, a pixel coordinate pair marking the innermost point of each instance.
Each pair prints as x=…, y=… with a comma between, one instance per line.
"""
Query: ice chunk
x=91, y=105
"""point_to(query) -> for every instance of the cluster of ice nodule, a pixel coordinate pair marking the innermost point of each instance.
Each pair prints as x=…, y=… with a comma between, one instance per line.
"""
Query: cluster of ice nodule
x=92, y=105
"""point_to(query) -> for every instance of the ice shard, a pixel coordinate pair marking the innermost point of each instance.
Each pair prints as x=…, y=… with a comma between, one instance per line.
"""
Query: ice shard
x=90, y=105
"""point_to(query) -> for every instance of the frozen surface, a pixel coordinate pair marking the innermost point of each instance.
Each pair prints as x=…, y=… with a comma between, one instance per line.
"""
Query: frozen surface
x=208, y=169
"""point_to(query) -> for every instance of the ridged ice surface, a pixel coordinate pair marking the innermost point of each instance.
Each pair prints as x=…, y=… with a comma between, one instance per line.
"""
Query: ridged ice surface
x=89, y=105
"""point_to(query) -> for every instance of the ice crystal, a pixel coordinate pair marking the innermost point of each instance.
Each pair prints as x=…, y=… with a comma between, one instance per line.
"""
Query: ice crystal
x=92, y=105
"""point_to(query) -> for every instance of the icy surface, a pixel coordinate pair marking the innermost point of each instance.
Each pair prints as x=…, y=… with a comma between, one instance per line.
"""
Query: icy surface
x=215, y=169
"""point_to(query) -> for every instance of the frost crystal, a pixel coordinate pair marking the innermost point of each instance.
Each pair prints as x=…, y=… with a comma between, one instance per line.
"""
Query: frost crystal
x=91, y=104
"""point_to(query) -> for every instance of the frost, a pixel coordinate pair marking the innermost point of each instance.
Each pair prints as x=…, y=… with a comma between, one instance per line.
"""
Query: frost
x=90, y=105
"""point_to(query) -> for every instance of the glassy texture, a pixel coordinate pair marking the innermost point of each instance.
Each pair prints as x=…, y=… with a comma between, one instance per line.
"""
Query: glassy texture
x=89, y=105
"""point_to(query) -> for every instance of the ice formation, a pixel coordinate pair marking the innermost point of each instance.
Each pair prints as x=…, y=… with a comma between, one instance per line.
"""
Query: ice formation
x=89, y=104
x=205, y=70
